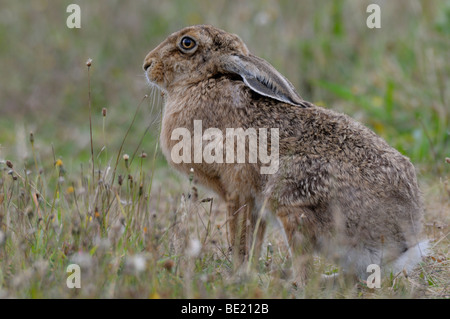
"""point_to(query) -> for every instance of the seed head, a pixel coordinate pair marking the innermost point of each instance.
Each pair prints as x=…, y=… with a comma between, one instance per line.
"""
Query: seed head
x=191, y=175
x=143, y=155
x=126, y=157
x=168, y=265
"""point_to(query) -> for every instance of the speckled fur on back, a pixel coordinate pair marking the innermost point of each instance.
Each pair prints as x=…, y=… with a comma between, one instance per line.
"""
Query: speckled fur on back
x=340, y=189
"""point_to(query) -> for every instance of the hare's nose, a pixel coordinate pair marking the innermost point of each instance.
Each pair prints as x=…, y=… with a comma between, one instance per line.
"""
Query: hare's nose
x=148, y=63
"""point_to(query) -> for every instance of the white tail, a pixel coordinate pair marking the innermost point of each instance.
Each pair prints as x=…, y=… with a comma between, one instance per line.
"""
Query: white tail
x=410, y=258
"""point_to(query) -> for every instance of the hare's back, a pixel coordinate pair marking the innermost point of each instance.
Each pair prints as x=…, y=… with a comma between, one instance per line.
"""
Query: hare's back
x=323, y=153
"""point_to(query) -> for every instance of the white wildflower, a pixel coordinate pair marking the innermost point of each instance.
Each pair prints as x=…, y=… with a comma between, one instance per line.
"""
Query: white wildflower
x=194, y=247
x=136, y=263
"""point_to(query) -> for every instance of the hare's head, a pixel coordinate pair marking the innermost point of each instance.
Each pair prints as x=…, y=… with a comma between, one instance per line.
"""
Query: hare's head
x=197, y=53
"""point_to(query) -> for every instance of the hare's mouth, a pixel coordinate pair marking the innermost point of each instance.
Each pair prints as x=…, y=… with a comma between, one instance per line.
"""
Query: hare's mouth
x=154, y=82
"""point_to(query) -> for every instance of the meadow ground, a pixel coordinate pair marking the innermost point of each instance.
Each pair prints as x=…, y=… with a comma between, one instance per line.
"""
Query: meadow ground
x=136, y=228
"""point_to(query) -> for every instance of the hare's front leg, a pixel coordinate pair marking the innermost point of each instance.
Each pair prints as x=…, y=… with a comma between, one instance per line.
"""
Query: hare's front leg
x=300, y=234
x=246, y=230
x=238, y=213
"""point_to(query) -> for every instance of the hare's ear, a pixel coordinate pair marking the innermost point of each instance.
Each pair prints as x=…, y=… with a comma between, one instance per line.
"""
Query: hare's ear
x=262, y=78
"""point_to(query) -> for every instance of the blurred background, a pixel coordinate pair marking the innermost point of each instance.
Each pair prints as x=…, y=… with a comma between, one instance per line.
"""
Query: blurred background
x=394, y=79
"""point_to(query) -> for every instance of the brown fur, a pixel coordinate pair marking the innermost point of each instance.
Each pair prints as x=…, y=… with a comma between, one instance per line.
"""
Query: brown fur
x=339, y=188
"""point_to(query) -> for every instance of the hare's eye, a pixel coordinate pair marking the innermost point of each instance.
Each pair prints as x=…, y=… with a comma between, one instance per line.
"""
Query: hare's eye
x=187, y=43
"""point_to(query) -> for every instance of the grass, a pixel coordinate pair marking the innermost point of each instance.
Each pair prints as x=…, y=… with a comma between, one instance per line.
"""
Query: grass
x=143, y=236
x=137, y=229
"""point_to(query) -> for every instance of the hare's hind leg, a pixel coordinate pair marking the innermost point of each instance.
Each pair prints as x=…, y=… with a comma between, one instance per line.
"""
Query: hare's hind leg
x=257, y=230
x=300, y=234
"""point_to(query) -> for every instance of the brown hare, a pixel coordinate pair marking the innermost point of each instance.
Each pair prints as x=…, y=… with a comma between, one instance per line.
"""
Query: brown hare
x=338, y=189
